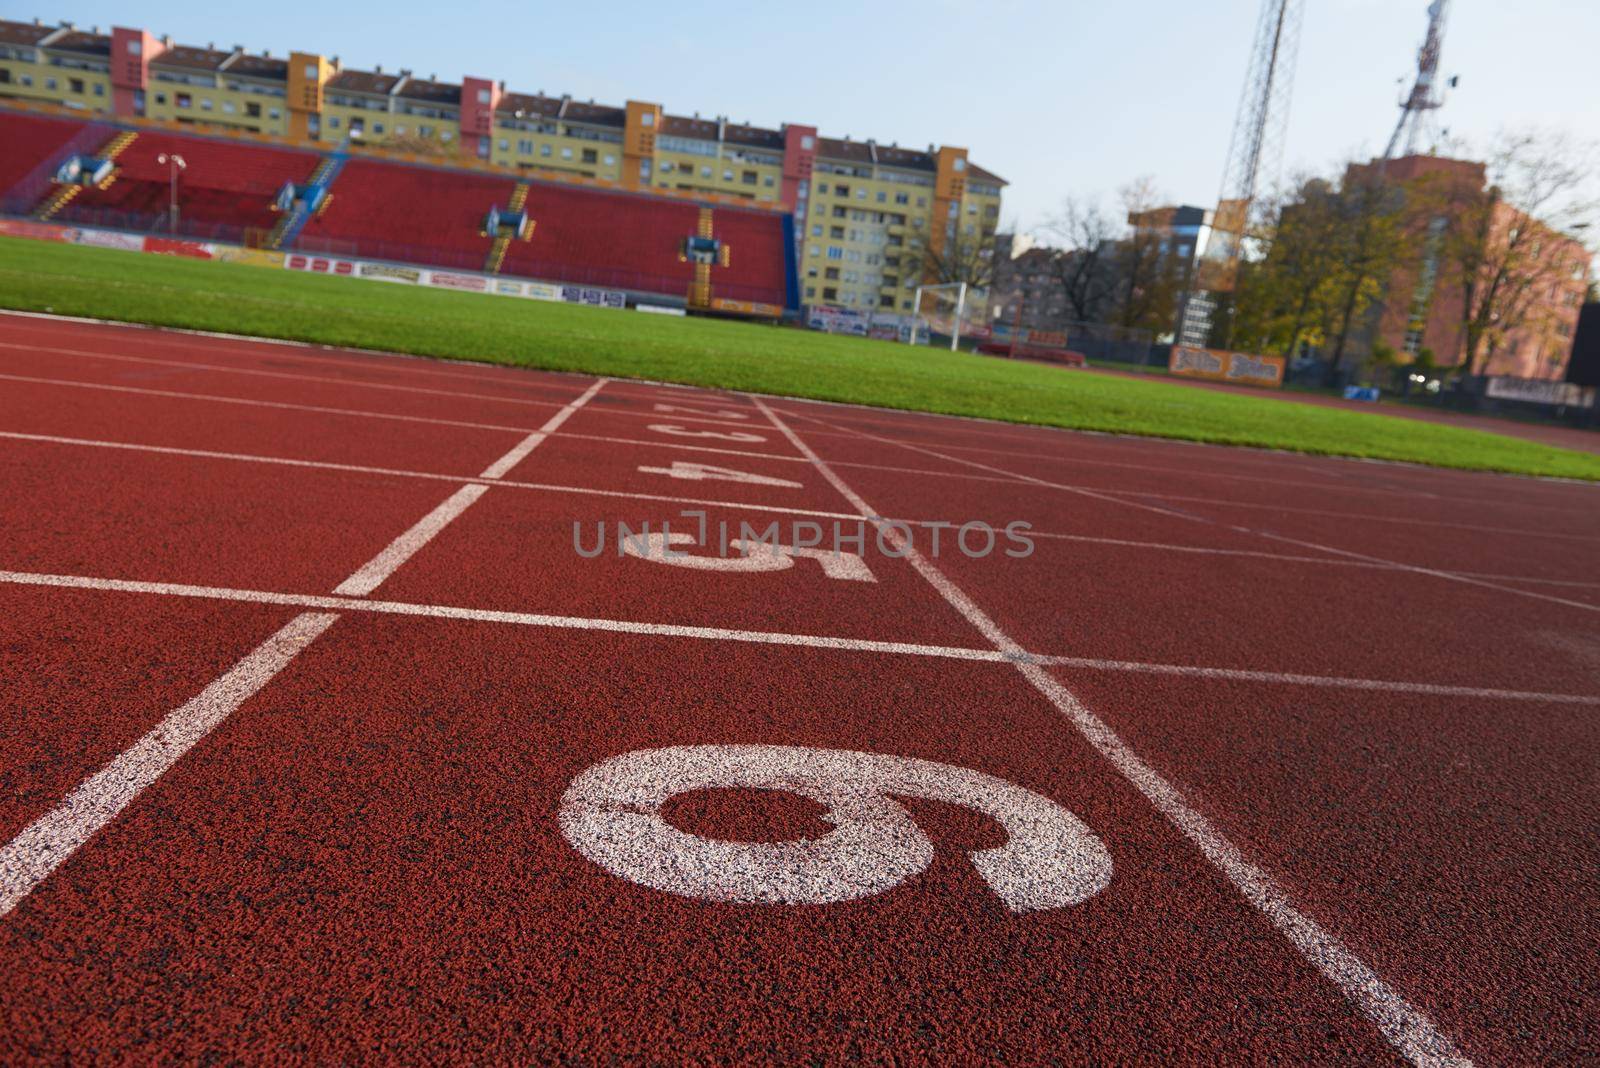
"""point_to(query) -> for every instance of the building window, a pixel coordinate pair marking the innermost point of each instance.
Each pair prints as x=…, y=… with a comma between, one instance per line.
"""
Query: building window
x=749, y=177
x=705, y=172
x=75, y=85
x=566, y=153
x=544, y=150
x=135, y=48
x=253, y=110
x=205, y=103
x=229, y=106
x=590, y=155
x=647, y=119
x=333, y=122
x=727, y=176
x=183, y=100
x=311, y=72
x=483, y=96
x=610, y=161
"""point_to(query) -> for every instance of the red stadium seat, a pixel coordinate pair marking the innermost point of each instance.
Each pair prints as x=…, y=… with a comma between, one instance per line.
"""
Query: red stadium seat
x=597, y=237
x=29, y=140
x=225, y=186
x=400, y=212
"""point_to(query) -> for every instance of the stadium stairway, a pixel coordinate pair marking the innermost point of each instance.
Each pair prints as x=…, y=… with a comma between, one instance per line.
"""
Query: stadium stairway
x=64, y=194
x=700, y=290
x=288, y=226
x=497, y=252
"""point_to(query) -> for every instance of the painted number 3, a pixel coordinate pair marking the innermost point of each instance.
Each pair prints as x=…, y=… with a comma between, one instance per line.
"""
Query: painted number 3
x=611, y=814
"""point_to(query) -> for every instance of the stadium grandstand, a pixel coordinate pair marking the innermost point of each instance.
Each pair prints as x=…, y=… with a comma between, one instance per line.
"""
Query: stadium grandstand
x=661, y=247
x=859, y=208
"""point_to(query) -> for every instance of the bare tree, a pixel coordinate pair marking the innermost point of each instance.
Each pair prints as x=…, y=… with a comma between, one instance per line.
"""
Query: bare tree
x=960, y=257
x=1081, y=265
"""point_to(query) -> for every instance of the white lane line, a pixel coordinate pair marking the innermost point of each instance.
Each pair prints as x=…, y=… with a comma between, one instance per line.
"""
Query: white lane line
x=273, y=348
x=380, y=567
x=44, y=845
x=371, y=574
x=705, y=502
x=532, y=441
x=1449, y=576
x=1142, y=498
x=1337, y=682
x=217, y=398
x=341, y=603
x=1406, y=1028
x=290, y=375
x=432, y=476
x=665, y=442
x=490, y=615
x=29, y=858
x=1223, y=502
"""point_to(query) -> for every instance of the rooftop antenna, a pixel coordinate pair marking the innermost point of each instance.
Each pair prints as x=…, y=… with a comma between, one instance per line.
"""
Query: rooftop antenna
x=1416, y=119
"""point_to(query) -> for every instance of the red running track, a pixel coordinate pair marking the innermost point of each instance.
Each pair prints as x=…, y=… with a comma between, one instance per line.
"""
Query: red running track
x=322, y=741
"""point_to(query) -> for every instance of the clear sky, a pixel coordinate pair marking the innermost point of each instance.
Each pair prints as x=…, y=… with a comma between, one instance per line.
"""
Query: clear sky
x=1058, y=97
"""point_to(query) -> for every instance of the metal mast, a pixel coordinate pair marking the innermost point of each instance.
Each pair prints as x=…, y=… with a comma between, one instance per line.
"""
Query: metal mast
x=1256, y=149
x=1254, y=155
x=1416, y=108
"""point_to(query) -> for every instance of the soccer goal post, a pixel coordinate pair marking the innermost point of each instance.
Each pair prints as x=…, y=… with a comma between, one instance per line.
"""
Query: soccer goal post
x=949, y=309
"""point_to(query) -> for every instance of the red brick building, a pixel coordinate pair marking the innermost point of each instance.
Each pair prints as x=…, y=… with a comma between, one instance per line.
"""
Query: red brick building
x=1422, y=303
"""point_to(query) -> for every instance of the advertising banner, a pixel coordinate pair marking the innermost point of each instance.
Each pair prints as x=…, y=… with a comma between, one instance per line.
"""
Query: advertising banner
x=318, y=264
x=257, y=257
x=475, y=283
x=168, y=246
x=1539, y=391
x=384, y=272
x=34, y=231
x=1222, y=366
x=105, y=239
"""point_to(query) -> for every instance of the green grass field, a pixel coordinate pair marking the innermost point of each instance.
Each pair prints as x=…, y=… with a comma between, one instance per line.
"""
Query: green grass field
x=75, y=280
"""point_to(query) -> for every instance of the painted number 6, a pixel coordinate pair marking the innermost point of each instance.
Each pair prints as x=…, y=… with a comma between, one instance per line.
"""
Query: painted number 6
x=612, y=814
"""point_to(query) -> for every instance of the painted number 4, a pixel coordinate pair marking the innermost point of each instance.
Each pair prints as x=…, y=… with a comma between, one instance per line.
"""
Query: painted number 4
x=611, y=814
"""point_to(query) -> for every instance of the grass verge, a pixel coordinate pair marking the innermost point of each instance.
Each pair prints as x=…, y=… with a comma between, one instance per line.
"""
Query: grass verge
x=162, y=291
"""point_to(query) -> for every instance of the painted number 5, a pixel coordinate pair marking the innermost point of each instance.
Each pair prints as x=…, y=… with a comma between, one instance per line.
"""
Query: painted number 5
x=612, y=814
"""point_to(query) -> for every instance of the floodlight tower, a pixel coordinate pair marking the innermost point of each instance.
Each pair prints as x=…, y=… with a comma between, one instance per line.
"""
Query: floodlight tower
x=1254, y=155
x=1256, y=150
x=1416, y=118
